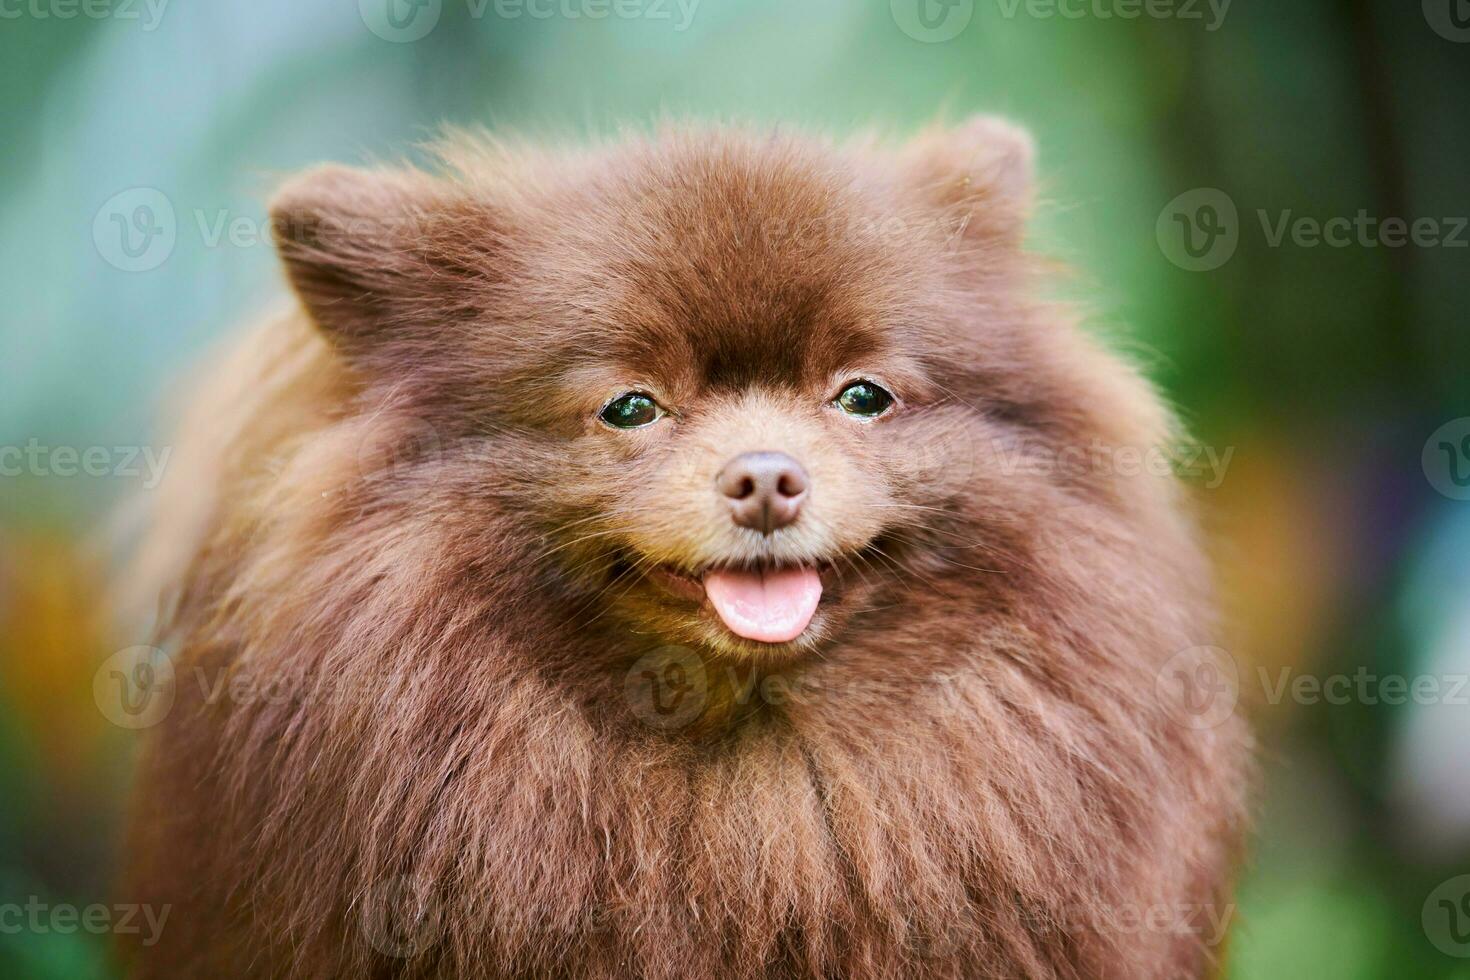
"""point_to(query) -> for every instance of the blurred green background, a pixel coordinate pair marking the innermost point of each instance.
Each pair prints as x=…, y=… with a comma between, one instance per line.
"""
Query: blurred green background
x=1336, y=372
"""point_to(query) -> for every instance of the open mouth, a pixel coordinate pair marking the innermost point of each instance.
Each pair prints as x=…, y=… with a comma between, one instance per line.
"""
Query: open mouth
x=767, y=605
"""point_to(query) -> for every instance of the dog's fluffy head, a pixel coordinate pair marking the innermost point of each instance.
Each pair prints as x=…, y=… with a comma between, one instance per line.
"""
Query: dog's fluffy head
x=738, y=285
x=433, y=496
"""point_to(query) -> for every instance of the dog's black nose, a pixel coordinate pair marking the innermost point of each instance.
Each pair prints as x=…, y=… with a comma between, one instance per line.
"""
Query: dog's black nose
x=765, y=491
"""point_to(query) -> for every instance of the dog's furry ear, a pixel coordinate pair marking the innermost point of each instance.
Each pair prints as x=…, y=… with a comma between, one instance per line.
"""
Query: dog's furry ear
x=982, y=172
x=367, y=253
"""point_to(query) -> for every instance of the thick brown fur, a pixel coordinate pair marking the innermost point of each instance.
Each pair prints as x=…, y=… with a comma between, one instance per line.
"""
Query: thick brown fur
x=411, y=622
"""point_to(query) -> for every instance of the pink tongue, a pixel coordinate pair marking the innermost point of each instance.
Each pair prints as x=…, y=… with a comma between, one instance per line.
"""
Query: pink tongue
x=771, y=607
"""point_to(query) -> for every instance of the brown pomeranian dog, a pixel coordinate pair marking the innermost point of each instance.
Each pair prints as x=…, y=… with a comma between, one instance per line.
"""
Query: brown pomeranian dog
x=699, y=555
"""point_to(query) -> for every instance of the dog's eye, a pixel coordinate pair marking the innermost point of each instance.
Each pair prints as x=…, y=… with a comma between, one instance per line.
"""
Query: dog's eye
x=864, y=399
x=631, y=411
